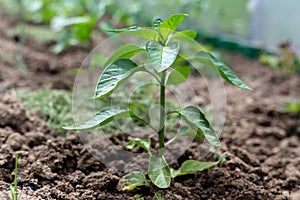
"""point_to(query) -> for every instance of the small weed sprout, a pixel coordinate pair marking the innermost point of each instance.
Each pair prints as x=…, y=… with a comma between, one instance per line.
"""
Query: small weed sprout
x=14, y=188
x=158, y=196
x=162, y=49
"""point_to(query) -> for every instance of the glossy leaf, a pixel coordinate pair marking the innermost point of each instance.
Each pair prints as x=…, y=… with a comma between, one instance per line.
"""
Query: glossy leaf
x=143, y=143
x=227, y=74
x=113, y=76
x=147, y=33
x=179, y=75
x=161, y=57
x=183, y=35
x=188, y=36
x=101, y=118
x=196, y=119
x=192, y=167
x=159, y=172
x=169, y=25
x=125, y=51
x=133, y=180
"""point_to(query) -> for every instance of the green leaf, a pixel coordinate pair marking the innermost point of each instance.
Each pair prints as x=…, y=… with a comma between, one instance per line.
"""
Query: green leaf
x=125, y=51
x=162, y=57
x=183, y=35
x=113, y=76
x=189, y=37
x=147, y=33
x=159, y=172
x=63, y=42
x=192, y=167
x=209, y=60
x=187, y=131
x=169, y=25
x=133, y=180
x=179, y=75
x=143, y=143
x=101, y=118
x=59, y=23
x=196, y=119
x=156, y=22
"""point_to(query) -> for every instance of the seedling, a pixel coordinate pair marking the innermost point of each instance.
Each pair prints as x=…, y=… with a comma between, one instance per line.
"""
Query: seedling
x=166, y=67
x=78, y=29
x=292, y=107
x=286, y=59
x=14, y=188
x=159, y=196
x=21, y=42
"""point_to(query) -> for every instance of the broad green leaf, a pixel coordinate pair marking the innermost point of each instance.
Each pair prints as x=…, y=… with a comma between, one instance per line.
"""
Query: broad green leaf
x=196, y=119
x=192, y=167
x=183, y=35
x=147, y=33
x=133, y=180
x=59, y=23
x=143, y=143
x=113, y=76
x=169, y=25
x=179, y=75
x=189, y=37
x=209, y=60
x=161, y=57
x=159, y=172
x=125, y=51
x=186, y=131
x=101, y=118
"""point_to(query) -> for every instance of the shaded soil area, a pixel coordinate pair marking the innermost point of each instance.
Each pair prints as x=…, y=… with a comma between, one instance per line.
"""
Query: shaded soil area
x=260, y=141
x=46, y=69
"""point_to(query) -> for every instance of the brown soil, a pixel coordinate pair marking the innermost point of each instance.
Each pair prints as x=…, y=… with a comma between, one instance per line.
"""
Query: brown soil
x=261, y=142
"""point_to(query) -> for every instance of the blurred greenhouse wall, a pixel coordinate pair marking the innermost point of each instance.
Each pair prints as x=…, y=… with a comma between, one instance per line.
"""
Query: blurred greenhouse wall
x=275, y=21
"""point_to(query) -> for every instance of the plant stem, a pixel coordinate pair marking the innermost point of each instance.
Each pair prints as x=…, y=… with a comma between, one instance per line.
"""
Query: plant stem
x=161, y=132
x=20, y=54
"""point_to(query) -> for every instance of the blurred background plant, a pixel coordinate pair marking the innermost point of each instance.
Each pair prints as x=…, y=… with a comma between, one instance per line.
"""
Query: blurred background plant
x=286, y=59
x=78, y=18
x=292, y=107
x=54, y=106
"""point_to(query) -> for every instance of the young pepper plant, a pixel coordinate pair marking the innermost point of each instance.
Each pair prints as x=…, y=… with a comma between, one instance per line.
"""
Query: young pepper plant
x=162, y=49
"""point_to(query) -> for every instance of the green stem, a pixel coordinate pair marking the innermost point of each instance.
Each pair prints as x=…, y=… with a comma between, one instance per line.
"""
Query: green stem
x=20, y=55
x=16, y=178
x=161, y=132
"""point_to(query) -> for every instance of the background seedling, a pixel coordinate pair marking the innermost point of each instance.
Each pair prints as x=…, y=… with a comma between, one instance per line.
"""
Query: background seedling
x=158, y=196
x=54, y=106
x=292, y=107
x=162, y=47
x=21, y=37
